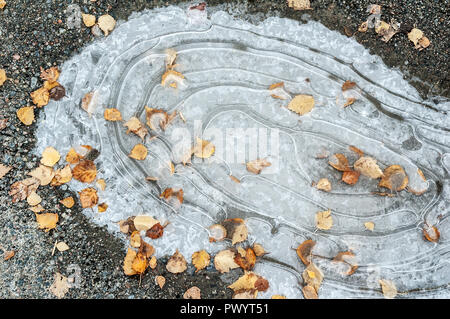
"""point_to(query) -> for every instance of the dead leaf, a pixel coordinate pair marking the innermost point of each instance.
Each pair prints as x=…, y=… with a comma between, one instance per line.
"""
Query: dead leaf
x=135, y=239
x=217, y=233
x=356, y=150
x=139, y=152
x=414, y=36
x=60, y=286
x=324, y=185
x=36, y=209
x=431, y=233
x=51, y=75
x=50, y=156
x=278, y=297
x=394, y=178
x=144, y=222
x=4, y=170
x=348, y=85
x=299, y=4
x=43, y=173
x=257, y=165
x=224, y=261
x=236, y=230
x=350, y=177
x=313, y=276
x=62, y=176
x=68, y=202
x=88, y=197
x=368, y=167
x=309, y=292
x=324, y=220
x=369, y=225
x=172, y=78
x=234, y=179
x=26, y=115
x=139, y=264
x=349, y=101
x=347, y=257
x=136, y=126
x=259, y=250
x=304, y=251
x=203, y=149
x=47, y=221
x=301, y=104
x=21, y=189
x=102, y=207
x=277, y=87
x=388, y=288
x=34, y=199
x=246, y=259
x=192, y=293
x=7, y=255
x=101, y=184
x=86, y=102
x=250, y=281
x=85, y=171
x=201, y=259
x=128, y=262
x=176, y=263
x=112, y=115
x=146, y=249
x=170, y=193
x=88, y=19
x=73, y=157
x=153, y=262
x=40, y=97
x=3, y=77
x=171, y=56
x=156, y=231
x=363, y=27
x=62, y=246
x=106, y=23
x=245, y=294
x=339, y=161
x=160, y=281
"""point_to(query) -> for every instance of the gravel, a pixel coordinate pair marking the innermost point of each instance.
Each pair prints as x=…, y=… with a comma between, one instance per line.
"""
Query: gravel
x=34, y=34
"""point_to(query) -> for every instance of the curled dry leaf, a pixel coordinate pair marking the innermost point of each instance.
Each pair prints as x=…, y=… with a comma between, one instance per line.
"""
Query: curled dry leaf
x=201, y=259
x=156, y=231
x=85, y=171
x=340, y=162
x=88, y=19
x=224, y=261
x=135, y=239
x=68, y=202
x=21, y=189
x=62, y=176
x=309, y=292
x=47, y=221
x=87, y=102
x=153, y=262
x=347, y=257
x=368, y=167
x=139, y=152
x=324, y=185
x=170, y=193
x=324, y=220
x=139, y=263
x=171, y=78
x=60, y=286
x=259, y=250
x=88, y=197
x=313, y=276
x=299, y=4
x=144, y=222
x=160, y=281
x=349, y=101
x=176, y=263
x=112, y=114
x=102, y=207
x=57, y=93
x=101, y=184
x=73, y=157
x=356, y=150
x=250, y=281
x=394, y=178
x=26, y=115
x=363, y=27
x=106, y=23
x=256, y=166
x=137, y=127
x=246, y=259
x=388, y=288
x=304, y=251
x=127, y=226
x=192, y=293
x=157, y=118
x=43, y=173
x=50, y=157
x=203, y=149
x=128, y=262
x=350, y=177
x=40, y=97
x=301, y=104
x=217, y=233
x=236, y=230
x=348, y=85
x=51, y=75
x=431, y=233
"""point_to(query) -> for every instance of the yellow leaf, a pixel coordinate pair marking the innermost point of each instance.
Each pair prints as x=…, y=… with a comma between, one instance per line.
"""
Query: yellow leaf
x=33, y=199
x=203, y=149
x=26, y=115
x=324, y=185
x=73, y=157
x=85, y=171
x=112, y=115
x=324, y=220
x=176, y=263
x=2, y=74
x=136, y=126
x=68, y=202
x=139, y=263
x=299, y=4
x=301, y=104
x=88, y=19
x=47, y=221
x=278, y=297
x=369, y=225
x=200, y=260
x=88, y=197
x=106, y=23
x=40, y=97
x=62, y=176
x=250, y=281
x=102, y=207
x=139, y=152
x=415, y=35
x=50, y=157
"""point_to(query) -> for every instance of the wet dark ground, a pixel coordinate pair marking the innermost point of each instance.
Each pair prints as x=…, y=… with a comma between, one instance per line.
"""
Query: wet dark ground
x=34, y=34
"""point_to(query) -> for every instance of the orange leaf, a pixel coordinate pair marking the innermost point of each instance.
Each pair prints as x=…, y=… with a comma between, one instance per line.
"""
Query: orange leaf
x=88, y=197
x=304, y=251
x=85, y=171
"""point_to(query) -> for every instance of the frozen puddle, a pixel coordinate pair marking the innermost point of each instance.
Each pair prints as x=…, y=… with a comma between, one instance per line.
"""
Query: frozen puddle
x=228, y=66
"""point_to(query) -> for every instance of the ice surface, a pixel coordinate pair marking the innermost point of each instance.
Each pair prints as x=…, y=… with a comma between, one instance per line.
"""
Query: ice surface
x=229, y=65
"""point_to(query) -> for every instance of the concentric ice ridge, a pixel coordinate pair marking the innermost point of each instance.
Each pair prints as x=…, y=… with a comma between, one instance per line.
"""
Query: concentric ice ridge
x=229, y=65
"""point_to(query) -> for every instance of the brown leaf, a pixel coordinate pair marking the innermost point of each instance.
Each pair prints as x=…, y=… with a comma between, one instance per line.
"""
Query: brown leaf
x=85, y=171
x=201, y=259
x=102, y=207
x=339, y=161
x=350, y=177
x=57, y=93
x=170, y=193
x=155, y=232
x=87, y=103
x=62, y=176
x=43, y=173
x=257, y=165
x=250, y=281
x=88, y=197
x=176, y=263
x=21, y=189
x=246, y=259
x=301, y=104
x=236, y=230
x=73, y=157
x=304, y=251
x=349, y=101
x=7, y=255
x=192, y=293
x=368, y=167
x=356, y=150
x=348, y=85
x=394, y=178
